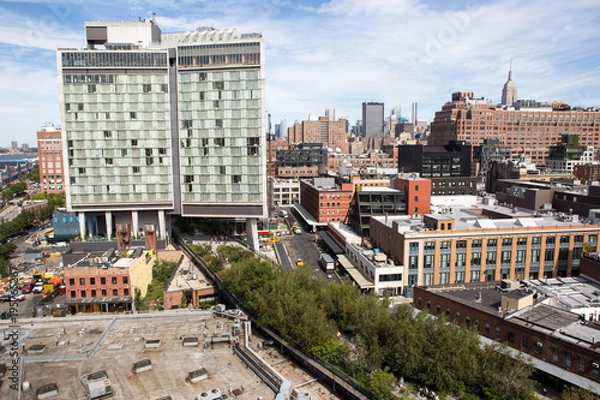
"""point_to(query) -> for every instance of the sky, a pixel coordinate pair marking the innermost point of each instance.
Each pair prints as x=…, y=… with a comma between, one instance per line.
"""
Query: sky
x=332, y=54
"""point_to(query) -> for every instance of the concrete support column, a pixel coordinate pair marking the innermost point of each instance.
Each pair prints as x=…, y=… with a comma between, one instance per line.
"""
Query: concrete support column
x=81, y=217
x=162, y=231
x=90, y=226
x=252, y=233
x=109, y=231
x=134, y=223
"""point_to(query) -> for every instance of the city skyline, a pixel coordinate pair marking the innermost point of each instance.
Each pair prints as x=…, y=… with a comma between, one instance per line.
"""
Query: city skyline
x=318, y=57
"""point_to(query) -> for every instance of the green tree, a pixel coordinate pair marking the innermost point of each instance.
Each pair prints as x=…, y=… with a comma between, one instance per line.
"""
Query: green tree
x=503, y=377
x=577, y=393
x=382, y=383
x=34, y=174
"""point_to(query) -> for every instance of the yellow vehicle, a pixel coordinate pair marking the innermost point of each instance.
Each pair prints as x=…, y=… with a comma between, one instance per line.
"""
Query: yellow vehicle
x=299, y=262
x=274, y=239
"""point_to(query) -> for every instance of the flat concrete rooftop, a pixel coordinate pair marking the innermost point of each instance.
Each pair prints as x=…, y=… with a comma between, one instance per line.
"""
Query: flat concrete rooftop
x=78, y=345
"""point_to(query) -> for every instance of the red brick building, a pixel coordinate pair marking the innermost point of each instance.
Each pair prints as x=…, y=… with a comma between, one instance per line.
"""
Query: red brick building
x=560, y=343
x=50, y=159
x=326, y=201
x=418, y=193
x=107, y=282
x=529, y=130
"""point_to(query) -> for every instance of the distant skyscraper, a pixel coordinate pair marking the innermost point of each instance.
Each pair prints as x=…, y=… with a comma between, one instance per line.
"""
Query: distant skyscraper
x=509, y=91
x=283, y=128
x=414, y=113
x=14, y=145
x=330, y=113
x=160, y=124
x=372, y=119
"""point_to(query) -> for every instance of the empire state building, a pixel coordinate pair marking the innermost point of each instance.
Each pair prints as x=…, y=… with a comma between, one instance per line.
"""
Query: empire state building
x=509, y=91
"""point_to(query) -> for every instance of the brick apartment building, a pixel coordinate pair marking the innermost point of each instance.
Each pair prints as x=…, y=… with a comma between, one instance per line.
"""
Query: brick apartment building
x=331, y=133
x=541, y=319
x=324, y=200
x=107, y=282
x=529, y=128
x=50, y=159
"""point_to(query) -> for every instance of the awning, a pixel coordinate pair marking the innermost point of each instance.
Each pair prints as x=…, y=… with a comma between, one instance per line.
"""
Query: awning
x=100, y=300
x=330, y=242
x=362, y=281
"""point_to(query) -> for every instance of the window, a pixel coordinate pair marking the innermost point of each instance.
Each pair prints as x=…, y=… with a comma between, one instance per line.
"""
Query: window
x=457, y=316
x=236, y=179
x=133, y=115
x=146, y=88
x=438, y=308
x=103, y=292
x=113, y=280
x=93, y=293
x=83, y=295
x=71, y=281
x=115, y=292
x=555, y=354
x=568, y=359
x=82, y=281
x=222, y=170
x=125, y=292
x=134, y=142
x=447, y=310
x=103, y=281
x=486, y=327
x=107, y=134
x=73, y=294
x=581, y=364
x=125, y=279
x=511, y=337
x=136, y=170
x=524, y=341
x=497, y=331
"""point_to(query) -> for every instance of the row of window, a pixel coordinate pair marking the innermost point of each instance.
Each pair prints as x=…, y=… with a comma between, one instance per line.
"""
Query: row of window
x=92, y=279
x=94, y=293
x=522, y=241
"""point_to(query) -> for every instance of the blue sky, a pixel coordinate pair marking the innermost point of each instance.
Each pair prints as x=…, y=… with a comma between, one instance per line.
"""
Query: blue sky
x=331, y=54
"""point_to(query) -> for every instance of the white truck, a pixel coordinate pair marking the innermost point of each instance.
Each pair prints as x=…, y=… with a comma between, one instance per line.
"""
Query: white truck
x=327, y=263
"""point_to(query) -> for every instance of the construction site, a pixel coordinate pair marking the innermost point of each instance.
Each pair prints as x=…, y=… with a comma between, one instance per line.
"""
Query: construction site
x=183, y=354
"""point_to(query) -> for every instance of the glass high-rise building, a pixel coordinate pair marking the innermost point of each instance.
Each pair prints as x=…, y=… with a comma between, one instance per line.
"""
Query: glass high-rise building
x=161, y=124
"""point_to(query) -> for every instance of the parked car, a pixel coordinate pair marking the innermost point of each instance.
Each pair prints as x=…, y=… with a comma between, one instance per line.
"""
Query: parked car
x=19, y=297
x=4, y=315
x=37, y=289
x=5, y=297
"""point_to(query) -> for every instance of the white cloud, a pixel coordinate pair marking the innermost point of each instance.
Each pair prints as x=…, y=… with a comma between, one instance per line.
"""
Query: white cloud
x=339, y=53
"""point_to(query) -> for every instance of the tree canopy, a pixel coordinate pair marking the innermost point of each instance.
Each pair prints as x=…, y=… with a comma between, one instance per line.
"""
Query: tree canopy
x=359, y=334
